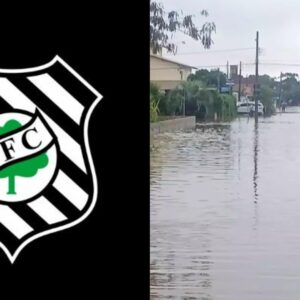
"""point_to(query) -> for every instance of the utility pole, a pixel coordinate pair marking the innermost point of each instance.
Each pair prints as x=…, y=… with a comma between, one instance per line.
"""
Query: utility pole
x=280, y=86
x=240, y=81
x=183, y=109
x=183, y=102
x=227, y=67
x=256, y=87
x=219, y=89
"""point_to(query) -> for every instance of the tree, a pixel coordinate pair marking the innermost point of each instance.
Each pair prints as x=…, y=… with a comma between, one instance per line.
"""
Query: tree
x=213, y=78
x=266, y=97
x=25, y=168
x=294, y=95
x=289, y=87
x=266, y=80
x=200, y=101
x=187, y=92
x=164, y=24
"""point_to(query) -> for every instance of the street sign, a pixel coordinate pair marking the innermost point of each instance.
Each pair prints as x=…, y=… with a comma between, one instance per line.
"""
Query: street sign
x=225, y=89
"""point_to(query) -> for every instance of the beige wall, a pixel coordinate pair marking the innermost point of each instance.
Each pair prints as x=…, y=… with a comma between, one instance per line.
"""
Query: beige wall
x=167, y=74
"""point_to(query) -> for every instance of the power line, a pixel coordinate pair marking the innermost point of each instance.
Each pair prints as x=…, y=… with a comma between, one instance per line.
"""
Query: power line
x=225, y=65
x=281, y=60
x=232, y=50
x=177, y=68
x=279, y=64
x=215, y=51
x=198, y=67
x=265, y=63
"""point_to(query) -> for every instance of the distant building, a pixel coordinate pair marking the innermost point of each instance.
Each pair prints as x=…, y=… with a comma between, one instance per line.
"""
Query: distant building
x=233, y=72
x=247, y=86
x=166, y=73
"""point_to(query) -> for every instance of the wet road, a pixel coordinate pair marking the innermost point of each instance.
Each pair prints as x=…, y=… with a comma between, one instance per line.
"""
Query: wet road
x=225, y=212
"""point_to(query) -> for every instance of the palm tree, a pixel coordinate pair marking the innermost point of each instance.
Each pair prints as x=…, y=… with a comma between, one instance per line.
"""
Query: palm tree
x=183, y=99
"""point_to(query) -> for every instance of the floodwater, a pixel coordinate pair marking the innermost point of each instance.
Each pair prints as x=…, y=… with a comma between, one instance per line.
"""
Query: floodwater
x=225, y=212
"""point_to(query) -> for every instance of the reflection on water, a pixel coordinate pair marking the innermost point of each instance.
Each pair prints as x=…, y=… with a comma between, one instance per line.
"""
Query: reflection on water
x=255, y=161
x=225, y=212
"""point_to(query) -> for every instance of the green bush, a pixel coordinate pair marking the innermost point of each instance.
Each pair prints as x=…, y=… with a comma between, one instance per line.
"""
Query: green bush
x=155, y=96
x=187, y=92
x=153, y=110
x=223, y=105
x=199, y=101
x=228, y=107
x=266, y=96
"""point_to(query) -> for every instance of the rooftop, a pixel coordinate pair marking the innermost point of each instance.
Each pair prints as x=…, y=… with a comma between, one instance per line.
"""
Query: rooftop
x=172, y=61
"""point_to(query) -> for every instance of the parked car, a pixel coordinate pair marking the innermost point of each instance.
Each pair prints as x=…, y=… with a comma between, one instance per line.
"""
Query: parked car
x=244, y=107
x=249, y=107
x=260, y=108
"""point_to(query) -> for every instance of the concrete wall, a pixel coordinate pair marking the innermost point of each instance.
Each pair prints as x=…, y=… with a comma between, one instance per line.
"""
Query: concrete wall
x=183, y=123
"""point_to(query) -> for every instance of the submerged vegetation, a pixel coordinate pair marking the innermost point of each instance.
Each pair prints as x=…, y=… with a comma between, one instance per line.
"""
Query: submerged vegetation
x=155, y=96
x=192, y=98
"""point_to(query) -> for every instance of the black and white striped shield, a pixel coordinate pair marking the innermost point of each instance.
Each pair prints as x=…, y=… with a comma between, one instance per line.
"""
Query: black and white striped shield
x=47, y=177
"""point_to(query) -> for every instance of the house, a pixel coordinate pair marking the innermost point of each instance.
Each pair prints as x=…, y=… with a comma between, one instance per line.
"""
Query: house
x=166, y=73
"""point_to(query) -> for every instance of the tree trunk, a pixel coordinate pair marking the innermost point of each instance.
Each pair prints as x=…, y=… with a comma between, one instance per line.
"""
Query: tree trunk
x=11, y=185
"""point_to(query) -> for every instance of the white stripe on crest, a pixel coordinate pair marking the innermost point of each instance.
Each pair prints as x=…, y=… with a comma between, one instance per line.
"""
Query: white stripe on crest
x=47, y=211
x=15, y=224
x=62, y=98
x=14, y=97
x=67, y=187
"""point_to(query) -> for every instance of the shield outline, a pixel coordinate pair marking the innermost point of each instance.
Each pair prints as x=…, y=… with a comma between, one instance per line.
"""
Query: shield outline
x=13, y=256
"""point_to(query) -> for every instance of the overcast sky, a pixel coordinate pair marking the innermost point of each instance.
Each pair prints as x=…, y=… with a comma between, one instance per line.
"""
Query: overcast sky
x=278, y=23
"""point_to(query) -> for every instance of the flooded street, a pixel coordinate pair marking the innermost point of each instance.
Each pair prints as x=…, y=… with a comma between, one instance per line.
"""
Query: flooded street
x=225, y=212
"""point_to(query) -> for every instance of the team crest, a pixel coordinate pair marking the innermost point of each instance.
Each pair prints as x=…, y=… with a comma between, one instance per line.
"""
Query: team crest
x=47, y=177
